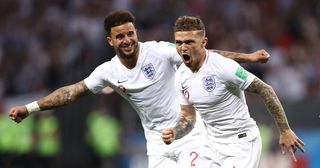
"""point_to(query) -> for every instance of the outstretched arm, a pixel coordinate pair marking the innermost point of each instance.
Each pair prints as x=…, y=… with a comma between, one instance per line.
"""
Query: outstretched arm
x=60, y=97
x=184, y=125
x=259, y=56
x=288, y=139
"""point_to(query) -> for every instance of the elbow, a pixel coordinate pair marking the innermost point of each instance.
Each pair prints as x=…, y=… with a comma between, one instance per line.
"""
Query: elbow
x=266, y=91
x=268, y=87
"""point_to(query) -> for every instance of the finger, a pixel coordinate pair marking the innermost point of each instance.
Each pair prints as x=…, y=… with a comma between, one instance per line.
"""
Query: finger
x=292, y=154
x=294, y=148
x=282, y=148
x=167, y=136
x=18, y=119
x=167, y=141
x=266, y=54
x=12, y=113
x=300, y=142
x=300, y=146
x=167, y=132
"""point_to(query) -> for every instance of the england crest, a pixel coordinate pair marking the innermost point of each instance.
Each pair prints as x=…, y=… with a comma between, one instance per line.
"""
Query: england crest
x=148, y=71
x=209, y=83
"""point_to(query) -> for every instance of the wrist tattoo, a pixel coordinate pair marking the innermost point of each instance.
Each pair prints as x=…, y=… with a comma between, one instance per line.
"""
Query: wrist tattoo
x=183, y=127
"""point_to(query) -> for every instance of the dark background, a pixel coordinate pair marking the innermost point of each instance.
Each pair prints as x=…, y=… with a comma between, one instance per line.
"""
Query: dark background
x=48, y=44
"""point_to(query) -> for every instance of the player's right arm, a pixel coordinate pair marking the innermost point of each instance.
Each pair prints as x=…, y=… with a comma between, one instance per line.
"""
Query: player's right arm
x=184, y=125
x=60, y=97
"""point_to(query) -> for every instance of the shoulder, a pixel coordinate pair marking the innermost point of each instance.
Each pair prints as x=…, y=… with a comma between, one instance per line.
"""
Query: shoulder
x=222, y=63
x=163, y=45
x=224, y=68
x=103, y=68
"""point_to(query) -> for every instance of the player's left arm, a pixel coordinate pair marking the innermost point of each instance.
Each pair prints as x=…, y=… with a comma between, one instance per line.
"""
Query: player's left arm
x=260, y=56
x=184, y=125
x=288, y=139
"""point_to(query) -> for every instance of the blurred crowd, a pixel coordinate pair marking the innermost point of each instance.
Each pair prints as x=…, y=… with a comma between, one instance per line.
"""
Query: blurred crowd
x=48, y=44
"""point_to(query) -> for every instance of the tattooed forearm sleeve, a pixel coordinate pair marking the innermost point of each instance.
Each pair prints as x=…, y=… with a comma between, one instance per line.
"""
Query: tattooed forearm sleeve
x=271, y=101
x=239, y=57
x=183, y=127
x=63, y=96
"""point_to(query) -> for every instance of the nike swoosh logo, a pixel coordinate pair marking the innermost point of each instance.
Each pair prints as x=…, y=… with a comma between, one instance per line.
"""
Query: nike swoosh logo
x=121, y=81
x=184, y=87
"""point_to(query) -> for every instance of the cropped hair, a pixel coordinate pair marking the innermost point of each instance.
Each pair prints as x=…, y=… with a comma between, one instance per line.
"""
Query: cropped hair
x=189, y=23
x=117, y=18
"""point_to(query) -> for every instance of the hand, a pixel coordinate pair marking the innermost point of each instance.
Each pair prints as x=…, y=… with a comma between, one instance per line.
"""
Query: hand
x=168, y=135
x=18, y=113
x=261, y=56
x=289, y=140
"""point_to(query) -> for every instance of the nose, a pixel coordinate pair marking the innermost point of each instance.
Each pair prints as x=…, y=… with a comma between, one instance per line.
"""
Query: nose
x=184, y=48
x=126, y=39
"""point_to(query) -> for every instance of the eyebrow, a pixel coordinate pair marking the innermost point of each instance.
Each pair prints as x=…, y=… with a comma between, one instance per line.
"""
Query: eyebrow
x=184, y=41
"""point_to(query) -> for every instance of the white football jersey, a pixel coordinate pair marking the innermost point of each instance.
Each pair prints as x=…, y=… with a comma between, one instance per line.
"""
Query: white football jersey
x=149, y=88
x=217, y=93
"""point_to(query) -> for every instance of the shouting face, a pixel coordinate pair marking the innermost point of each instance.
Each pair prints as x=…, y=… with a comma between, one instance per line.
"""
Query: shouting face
x=191, y=47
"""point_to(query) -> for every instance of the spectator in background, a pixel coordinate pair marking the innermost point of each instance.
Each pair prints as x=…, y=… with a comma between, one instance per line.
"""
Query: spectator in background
x=104, y=136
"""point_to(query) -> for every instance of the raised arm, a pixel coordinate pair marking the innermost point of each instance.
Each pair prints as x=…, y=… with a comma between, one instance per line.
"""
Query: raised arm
x=184, y=125
x=288, y=139
x=60, y=97
x=260, y=56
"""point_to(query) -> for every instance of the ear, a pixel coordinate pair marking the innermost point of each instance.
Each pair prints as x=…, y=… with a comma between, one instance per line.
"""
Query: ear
x=204, y=42
x=109, y=41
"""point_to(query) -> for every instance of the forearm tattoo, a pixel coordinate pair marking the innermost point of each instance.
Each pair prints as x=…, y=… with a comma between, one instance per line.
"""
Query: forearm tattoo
x=271, y=101
x=183, y=127
x=63, y=96
x=231, y=55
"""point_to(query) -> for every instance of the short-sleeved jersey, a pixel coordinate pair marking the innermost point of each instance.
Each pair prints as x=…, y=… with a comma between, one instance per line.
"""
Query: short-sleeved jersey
x=149, y=87
x=217, y=93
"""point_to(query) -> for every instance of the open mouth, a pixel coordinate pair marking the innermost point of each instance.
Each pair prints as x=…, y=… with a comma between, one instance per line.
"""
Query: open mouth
x=186, y=58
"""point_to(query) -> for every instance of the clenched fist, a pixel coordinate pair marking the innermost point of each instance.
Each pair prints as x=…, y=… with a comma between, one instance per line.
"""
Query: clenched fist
x=18, y=113
x=260, y=56
x=168, y=135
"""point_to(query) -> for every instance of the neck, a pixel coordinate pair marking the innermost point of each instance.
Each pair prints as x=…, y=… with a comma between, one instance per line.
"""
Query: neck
x=202, y=58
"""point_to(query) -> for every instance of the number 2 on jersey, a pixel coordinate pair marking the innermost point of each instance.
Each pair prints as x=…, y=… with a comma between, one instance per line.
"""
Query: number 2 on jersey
x=194, y=158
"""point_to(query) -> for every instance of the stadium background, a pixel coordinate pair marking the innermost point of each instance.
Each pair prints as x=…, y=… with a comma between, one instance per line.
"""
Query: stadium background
x=48, y=44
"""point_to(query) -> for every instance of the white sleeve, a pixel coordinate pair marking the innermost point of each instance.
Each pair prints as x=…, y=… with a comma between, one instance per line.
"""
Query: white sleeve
x=235, y=74
x=97, y=80
x=169, y=50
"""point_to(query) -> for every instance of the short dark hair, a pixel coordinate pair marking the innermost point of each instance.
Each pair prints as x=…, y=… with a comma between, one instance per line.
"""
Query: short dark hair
x=189, y=23
x=117, y=18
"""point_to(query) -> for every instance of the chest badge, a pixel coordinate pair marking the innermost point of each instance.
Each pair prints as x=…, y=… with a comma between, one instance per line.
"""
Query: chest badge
x=148, y=71
x=209, y=83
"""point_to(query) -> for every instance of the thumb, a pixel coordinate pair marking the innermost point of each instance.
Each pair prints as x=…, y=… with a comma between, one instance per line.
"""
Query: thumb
x=283, y=149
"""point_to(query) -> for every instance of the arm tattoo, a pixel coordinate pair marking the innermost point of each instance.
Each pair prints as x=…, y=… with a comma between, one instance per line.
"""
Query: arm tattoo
x=183, y=127
x=271, y=101
x=239, y=57
x=63, y=96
